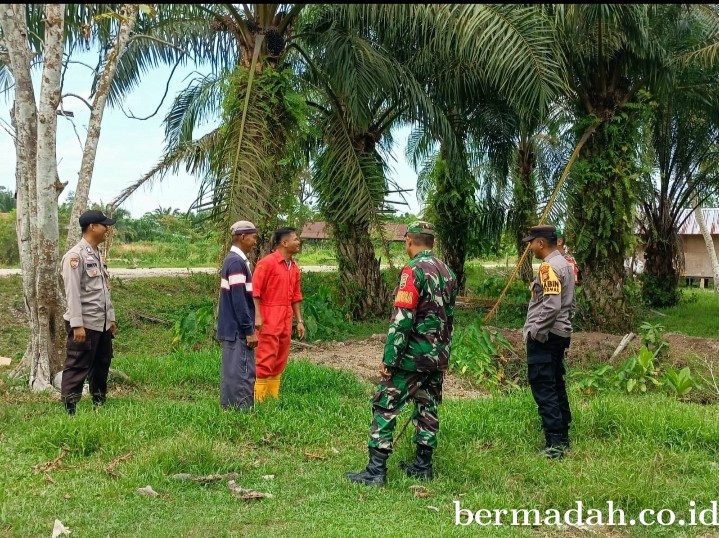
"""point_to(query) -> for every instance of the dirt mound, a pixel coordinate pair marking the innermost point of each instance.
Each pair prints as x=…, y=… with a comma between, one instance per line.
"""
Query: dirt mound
x=362, y=357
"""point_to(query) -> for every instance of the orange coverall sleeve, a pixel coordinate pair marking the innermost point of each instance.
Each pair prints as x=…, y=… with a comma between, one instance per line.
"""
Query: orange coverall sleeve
x=259, y=279
x=297, y=292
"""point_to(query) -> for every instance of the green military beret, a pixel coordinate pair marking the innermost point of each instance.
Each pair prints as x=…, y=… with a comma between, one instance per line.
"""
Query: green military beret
x=420, y=227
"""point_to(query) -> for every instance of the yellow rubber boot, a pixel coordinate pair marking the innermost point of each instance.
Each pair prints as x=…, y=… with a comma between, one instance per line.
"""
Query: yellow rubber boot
x=273, y=386
x=260, y=389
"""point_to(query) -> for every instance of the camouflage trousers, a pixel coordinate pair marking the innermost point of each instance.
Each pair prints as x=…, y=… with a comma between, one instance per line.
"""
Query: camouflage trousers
x=425, y=389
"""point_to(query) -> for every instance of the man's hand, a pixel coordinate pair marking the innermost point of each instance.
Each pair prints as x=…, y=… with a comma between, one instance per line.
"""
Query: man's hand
x=301, y=330
x=385, y=372
x=258, y=323
x=78, y=335
x=113, y=328
x=252, y=341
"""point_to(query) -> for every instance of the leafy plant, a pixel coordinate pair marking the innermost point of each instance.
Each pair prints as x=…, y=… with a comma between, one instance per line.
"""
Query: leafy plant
x=480, y=354
x=652, y=335
x=194, y=329
x=680, y=381
x=598, y=380
x=324, y=321
x=638, y=371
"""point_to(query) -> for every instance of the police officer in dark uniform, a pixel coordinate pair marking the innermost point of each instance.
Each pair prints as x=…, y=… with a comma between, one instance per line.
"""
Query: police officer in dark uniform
x=547, y=333
x=415, y=359
x=90, y=316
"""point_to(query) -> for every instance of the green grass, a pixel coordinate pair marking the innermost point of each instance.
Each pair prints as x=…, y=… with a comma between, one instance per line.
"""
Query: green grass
x=202, y=253
x=649, y=452
x=640, y=452
x=696, y=315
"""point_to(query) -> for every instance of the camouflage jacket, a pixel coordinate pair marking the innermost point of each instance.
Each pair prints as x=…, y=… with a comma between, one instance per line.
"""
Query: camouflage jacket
x=420, y=331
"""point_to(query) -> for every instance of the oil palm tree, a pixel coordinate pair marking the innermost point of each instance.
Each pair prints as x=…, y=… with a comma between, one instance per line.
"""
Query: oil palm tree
x=249, y=162
x=683, y=153
x=613, y=54
x=373, y=67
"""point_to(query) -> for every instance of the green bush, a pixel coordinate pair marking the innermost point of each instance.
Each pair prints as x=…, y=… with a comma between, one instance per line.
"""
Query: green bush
x=9, y=254
x=481, y=354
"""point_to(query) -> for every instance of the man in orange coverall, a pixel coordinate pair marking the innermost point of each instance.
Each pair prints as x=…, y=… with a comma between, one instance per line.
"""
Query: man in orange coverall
x=277, y=295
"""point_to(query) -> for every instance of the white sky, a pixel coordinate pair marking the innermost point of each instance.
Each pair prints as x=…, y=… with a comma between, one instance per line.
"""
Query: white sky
x=128, y=148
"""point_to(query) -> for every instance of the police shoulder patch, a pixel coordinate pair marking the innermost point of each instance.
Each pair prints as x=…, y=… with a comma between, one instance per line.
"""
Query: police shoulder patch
x=74, y=262
x=551, y=285
x=407, y=294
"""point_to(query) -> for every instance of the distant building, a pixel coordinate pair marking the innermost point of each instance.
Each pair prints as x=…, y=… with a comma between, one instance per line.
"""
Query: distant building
x=697, y=265
x=696, y=258
x=318, y=231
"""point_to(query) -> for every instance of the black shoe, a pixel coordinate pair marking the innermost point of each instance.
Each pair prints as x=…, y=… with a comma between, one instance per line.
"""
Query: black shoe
x=555, y=448
x=375, y=474
x=564, y=438
x=70, y=407
x=421, y=467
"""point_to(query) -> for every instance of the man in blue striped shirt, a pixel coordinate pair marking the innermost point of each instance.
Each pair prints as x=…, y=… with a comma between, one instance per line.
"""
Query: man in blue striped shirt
x=236, y=320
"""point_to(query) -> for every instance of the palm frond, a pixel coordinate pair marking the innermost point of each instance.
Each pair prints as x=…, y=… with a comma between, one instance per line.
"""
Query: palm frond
x=197, y=103
x=194, y=155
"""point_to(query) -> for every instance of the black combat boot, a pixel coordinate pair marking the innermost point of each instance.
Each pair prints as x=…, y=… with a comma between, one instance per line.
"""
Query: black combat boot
x=70, y=407
x=375, y=474
x=564, y=435
x=98, y=400
x=555, y=448
x=421, y=467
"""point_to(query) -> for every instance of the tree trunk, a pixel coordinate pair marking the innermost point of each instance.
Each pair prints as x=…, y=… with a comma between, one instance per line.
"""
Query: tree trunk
x=454, y=209
x=709, y=244
x=129, y=17
x=604, y=183
x=36, y=128
x=660, y=279
x=525, y=205
x=360, y=277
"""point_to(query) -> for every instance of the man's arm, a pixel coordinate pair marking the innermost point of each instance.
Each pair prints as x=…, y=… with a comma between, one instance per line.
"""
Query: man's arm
x=237, y=278
x=403, y=314
x=72, y=268
x=110, y=307
x=551, y=303
x=300, y=322
x=259, y=279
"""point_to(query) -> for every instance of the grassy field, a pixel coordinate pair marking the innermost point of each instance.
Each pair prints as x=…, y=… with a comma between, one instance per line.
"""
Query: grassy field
x=696, y=315
x=641, y=452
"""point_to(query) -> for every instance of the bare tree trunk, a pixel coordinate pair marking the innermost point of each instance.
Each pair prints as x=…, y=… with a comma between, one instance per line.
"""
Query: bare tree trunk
x=45, y=241
x=24, y=119
x=709, y=243
x=36, y=128
x=82, y=192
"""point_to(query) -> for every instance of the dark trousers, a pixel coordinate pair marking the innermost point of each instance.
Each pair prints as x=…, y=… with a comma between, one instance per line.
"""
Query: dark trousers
x=546, y=371
x=89, y=359
x=237, y=379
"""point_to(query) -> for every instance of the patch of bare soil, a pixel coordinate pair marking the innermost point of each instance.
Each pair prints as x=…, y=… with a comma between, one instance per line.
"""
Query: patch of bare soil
x=363, y=357
x=595, y=347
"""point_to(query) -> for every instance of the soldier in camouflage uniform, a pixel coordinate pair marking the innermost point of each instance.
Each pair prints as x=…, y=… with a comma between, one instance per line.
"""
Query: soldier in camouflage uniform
x=416, y=357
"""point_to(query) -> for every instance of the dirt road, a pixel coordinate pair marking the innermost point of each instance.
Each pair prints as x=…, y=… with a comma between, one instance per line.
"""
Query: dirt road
x=145, y=272
x=173, y=271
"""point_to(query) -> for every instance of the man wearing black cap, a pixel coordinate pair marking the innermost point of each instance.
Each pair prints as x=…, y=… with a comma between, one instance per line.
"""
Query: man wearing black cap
x=547, y=333
x=90, y=316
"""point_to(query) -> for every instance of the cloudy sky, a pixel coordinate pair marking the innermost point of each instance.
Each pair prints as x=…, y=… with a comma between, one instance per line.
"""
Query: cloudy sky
x=129, y=148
